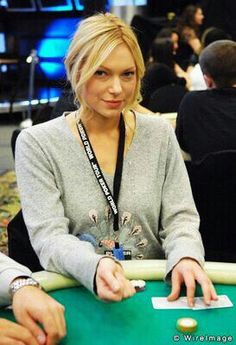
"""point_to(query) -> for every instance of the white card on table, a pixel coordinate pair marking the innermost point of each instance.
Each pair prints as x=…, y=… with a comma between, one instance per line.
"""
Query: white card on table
x=162, y=303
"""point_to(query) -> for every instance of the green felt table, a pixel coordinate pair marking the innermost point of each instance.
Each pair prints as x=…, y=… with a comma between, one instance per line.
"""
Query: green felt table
x=134, y=321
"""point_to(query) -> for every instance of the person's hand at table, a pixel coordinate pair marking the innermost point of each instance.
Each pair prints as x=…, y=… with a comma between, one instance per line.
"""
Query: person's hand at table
x=13, y=334
x=111, y=284
x=32, y=306
x=188, y=271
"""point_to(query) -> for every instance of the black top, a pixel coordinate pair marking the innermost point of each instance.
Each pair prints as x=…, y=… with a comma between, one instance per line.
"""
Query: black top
x=206, y=122
x=65, y=103
x=167, y=98
x=157, y=75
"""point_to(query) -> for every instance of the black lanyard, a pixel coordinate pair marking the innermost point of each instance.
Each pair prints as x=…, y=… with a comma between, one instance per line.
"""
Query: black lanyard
x=111, y=199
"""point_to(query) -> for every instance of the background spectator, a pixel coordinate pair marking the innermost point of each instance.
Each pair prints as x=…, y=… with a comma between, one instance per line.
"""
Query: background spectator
x=206, y=120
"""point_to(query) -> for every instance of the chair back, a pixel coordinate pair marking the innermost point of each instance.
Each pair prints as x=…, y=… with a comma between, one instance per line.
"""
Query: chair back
x=14, y=136
x=213, y=182
x=166, y=99
x=19, y=246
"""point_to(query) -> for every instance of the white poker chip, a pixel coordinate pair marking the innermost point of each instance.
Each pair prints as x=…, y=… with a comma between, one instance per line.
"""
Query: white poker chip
x=186, y=324
x=139, y=285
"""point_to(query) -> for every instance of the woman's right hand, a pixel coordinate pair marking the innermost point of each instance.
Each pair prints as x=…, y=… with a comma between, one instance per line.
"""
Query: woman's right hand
x=13, y=334
x=111, y=282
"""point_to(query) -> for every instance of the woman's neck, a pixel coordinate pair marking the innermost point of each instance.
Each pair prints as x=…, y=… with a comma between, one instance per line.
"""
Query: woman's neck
x=96, y=124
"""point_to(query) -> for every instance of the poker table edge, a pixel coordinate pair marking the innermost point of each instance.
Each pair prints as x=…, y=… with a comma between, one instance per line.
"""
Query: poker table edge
x=218, y=272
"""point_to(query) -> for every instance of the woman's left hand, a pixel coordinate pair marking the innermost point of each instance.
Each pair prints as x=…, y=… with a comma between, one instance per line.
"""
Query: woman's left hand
x=188, y=271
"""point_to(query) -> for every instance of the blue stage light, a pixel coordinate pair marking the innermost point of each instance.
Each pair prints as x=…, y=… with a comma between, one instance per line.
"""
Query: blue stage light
x=53, y=47
x=78, y=5
x=45, y=93
x=53, y=70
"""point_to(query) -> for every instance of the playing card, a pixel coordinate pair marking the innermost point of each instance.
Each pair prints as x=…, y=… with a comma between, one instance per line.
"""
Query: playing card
x=162, y=303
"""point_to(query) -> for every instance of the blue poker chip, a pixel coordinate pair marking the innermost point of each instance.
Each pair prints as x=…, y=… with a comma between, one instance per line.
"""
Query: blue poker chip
x=139, y=285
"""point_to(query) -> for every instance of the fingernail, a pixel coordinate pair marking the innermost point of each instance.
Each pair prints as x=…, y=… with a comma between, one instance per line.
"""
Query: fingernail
x=41, y=339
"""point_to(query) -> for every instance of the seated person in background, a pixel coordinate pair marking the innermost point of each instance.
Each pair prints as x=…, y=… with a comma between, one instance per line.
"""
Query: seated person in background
x=30, y=306
x=188, y=27
x=97, y=187
x=210, y=35
x=166, y=100
x=172, y=34
x=206, y=121
x=162, y=69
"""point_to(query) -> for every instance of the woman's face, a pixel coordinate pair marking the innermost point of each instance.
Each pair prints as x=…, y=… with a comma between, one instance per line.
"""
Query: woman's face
x=198, y=17
x=113, y=85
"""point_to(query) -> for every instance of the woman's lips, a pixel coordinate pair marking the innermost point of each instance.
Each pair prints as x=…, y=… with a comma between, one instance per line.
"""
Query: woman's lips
x=113, y=103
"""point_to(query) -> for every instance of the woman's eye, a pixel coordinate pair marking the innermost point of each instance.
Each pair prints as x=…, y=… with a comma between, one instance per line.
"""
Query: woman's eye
x=129, y=74
x=100, y=73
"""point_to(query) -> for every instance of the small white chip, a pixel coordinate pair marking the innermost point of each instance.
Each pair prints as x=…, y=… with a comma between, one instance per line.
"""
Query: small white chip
x=139, y=285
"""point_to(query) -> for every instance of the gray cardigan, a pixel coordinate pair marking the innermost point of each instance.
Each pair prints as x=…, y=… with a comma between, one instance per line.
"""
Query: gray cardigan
x=68, y=219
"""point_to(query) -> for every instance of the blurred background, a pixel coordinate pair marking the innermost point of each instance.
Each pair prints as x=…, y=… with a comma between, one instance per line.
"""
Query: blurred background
x=35, y=34
x=34, y=37
x=41, y=30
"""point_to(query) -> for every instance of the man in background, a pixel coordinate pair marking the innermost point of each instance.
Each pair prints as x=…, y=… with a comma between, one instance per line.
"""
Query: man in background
x=206, y=120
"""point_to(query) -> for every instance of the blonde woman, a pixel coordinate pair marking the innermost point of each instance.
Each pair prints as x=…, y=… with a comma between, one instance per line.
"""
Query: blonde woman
x=106, y=183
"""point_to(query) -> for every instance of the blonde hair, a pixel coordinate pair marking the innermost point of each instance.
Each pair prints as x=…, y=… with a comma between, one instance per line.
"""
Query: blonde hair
x=93, y=41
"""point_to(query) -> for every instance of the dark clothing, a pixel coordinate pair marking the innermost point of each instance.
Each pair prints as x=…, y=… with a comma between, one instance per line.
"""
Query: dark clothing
x=220, y=14
x=157, y=75
x=167, y=98
x=206, y=122
x=65, y=103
